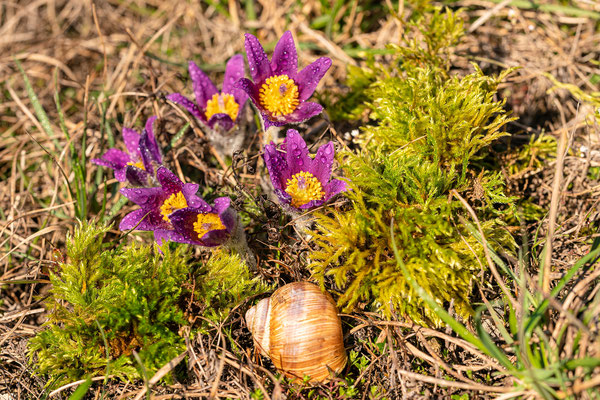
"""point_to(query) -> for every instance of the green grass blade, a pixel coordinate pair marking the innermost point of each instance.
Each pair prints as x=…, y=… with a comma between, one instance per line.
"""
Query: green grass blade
x=487, y=347
x=81, y=391
x=489, y=344
x=177, y=137
x=564, y=9
x=37, y=106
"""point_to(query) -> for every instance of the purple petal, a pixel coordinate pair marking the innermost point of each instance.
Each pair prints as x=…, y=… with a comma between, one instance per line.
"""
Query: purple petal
x=334, y=187
x=143, y=220
x=132, y=219
x=240, y=97
x=223, y=120
x=121, y=175
x=113, y=158
x=285, y=58
x=135, y=176
x=151, y=141
x=247, y=86
x=227, y=214
x=169, y=181
x=187, y=104
x=215, y=238
x=260, y=68
x=147, y=198
x=234, y=71
x=132, y=141
x=149, y=149
x=162, y=235
x=309, y=77
x=304, y=112
x=312, y=204
x=268, y=122
x=283, y=196
x=296, y=152
x=221, y=204
x=193, y=200
x=323, y=163
x=277, y=166
x=203, y=87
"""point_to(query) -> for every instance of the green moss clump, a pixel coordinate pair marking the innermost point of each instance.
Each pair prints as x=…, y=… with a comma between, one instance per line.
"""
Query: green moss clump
x=225, y=281
x=105, y=303
x=428, y=140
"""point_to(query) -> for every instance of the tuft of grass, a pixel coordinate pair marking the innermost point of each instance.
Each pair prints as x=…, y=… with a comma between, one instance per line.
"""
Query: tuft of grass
x=528, y=345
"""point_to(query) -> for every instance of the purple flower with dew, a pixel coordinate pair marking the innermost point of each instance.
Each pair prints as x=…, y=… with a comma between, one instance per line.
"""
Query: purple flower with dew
x=299, y=180
x=158, y=203
x=138, y=163
x=204, y=225
x=279, y=91
x=213, y=107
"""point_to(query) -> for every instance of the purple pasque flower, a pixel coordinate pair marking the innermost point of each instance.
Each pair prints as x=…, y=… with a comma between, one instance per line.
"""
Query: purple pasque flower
x=158, y=203
x=279, y=91
x=137, y=165
x=213, y=107
x=299, y=180
x=204, y=225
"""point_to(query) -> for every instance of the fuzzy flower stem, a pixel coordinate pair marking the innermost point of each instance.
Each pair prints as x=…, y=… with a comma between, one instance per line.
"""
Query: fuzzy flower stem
x=238, y=245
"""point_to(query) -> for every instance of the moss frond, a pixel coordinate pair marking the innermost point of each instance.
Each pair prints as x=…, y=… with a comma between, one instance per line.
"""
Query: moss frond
x=429, y=132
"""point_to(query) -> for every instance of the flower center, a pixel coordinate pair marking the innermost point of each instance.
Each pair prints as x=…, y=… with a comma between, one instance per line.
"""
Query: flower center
x=138, y=164
x=279, y=95
x=304, y=187
x=175, y=202
x=206, y=223
x=223, y=103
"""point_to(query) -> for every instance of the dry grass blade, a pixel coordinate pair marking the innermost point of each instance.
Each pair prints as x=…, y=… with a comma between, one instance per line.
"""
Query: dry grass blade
x=73, y=384
x=491, y=264
x=160, y=374
x=554, y=204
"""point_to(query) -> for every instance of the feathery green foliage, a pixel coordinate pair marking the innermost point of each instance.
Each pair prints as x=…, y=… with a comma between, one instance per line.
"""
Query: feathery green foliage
x=106, y=303
x=225, y=281
x=430, y=130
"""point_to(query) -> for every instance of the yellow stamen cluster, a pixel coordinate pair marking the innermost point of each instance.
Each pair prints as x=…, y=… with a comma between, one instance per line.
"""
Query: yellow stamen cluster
x=175, y=202
x=279, y=95
x=223, y=103
x=138, y=164
x=206, y=223
x=304, y=187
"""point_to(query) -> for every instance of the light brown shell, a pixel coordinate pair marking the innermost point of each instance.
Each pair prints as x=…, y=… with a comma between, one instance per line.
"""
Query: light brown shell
x=299, y=329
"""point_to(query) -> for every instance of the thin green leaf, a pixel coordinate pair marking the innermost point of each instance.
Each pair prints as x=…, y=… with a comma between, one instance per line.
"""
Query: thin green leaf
x=37, y=106
x=81, y=390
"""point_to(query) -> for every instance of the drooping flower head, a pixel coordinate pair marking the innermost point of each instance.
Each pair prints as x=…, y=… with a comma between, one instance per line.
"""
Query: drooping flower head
x=160, y=212
x=205, y=225
x=212, y=107
x=299, y=180
x=138, y=164
x=279, y=91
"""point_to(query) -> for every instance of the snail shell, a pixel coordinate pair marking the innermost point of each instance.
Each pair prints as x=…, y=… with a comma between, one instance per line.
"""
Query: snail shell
x=299, y=330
